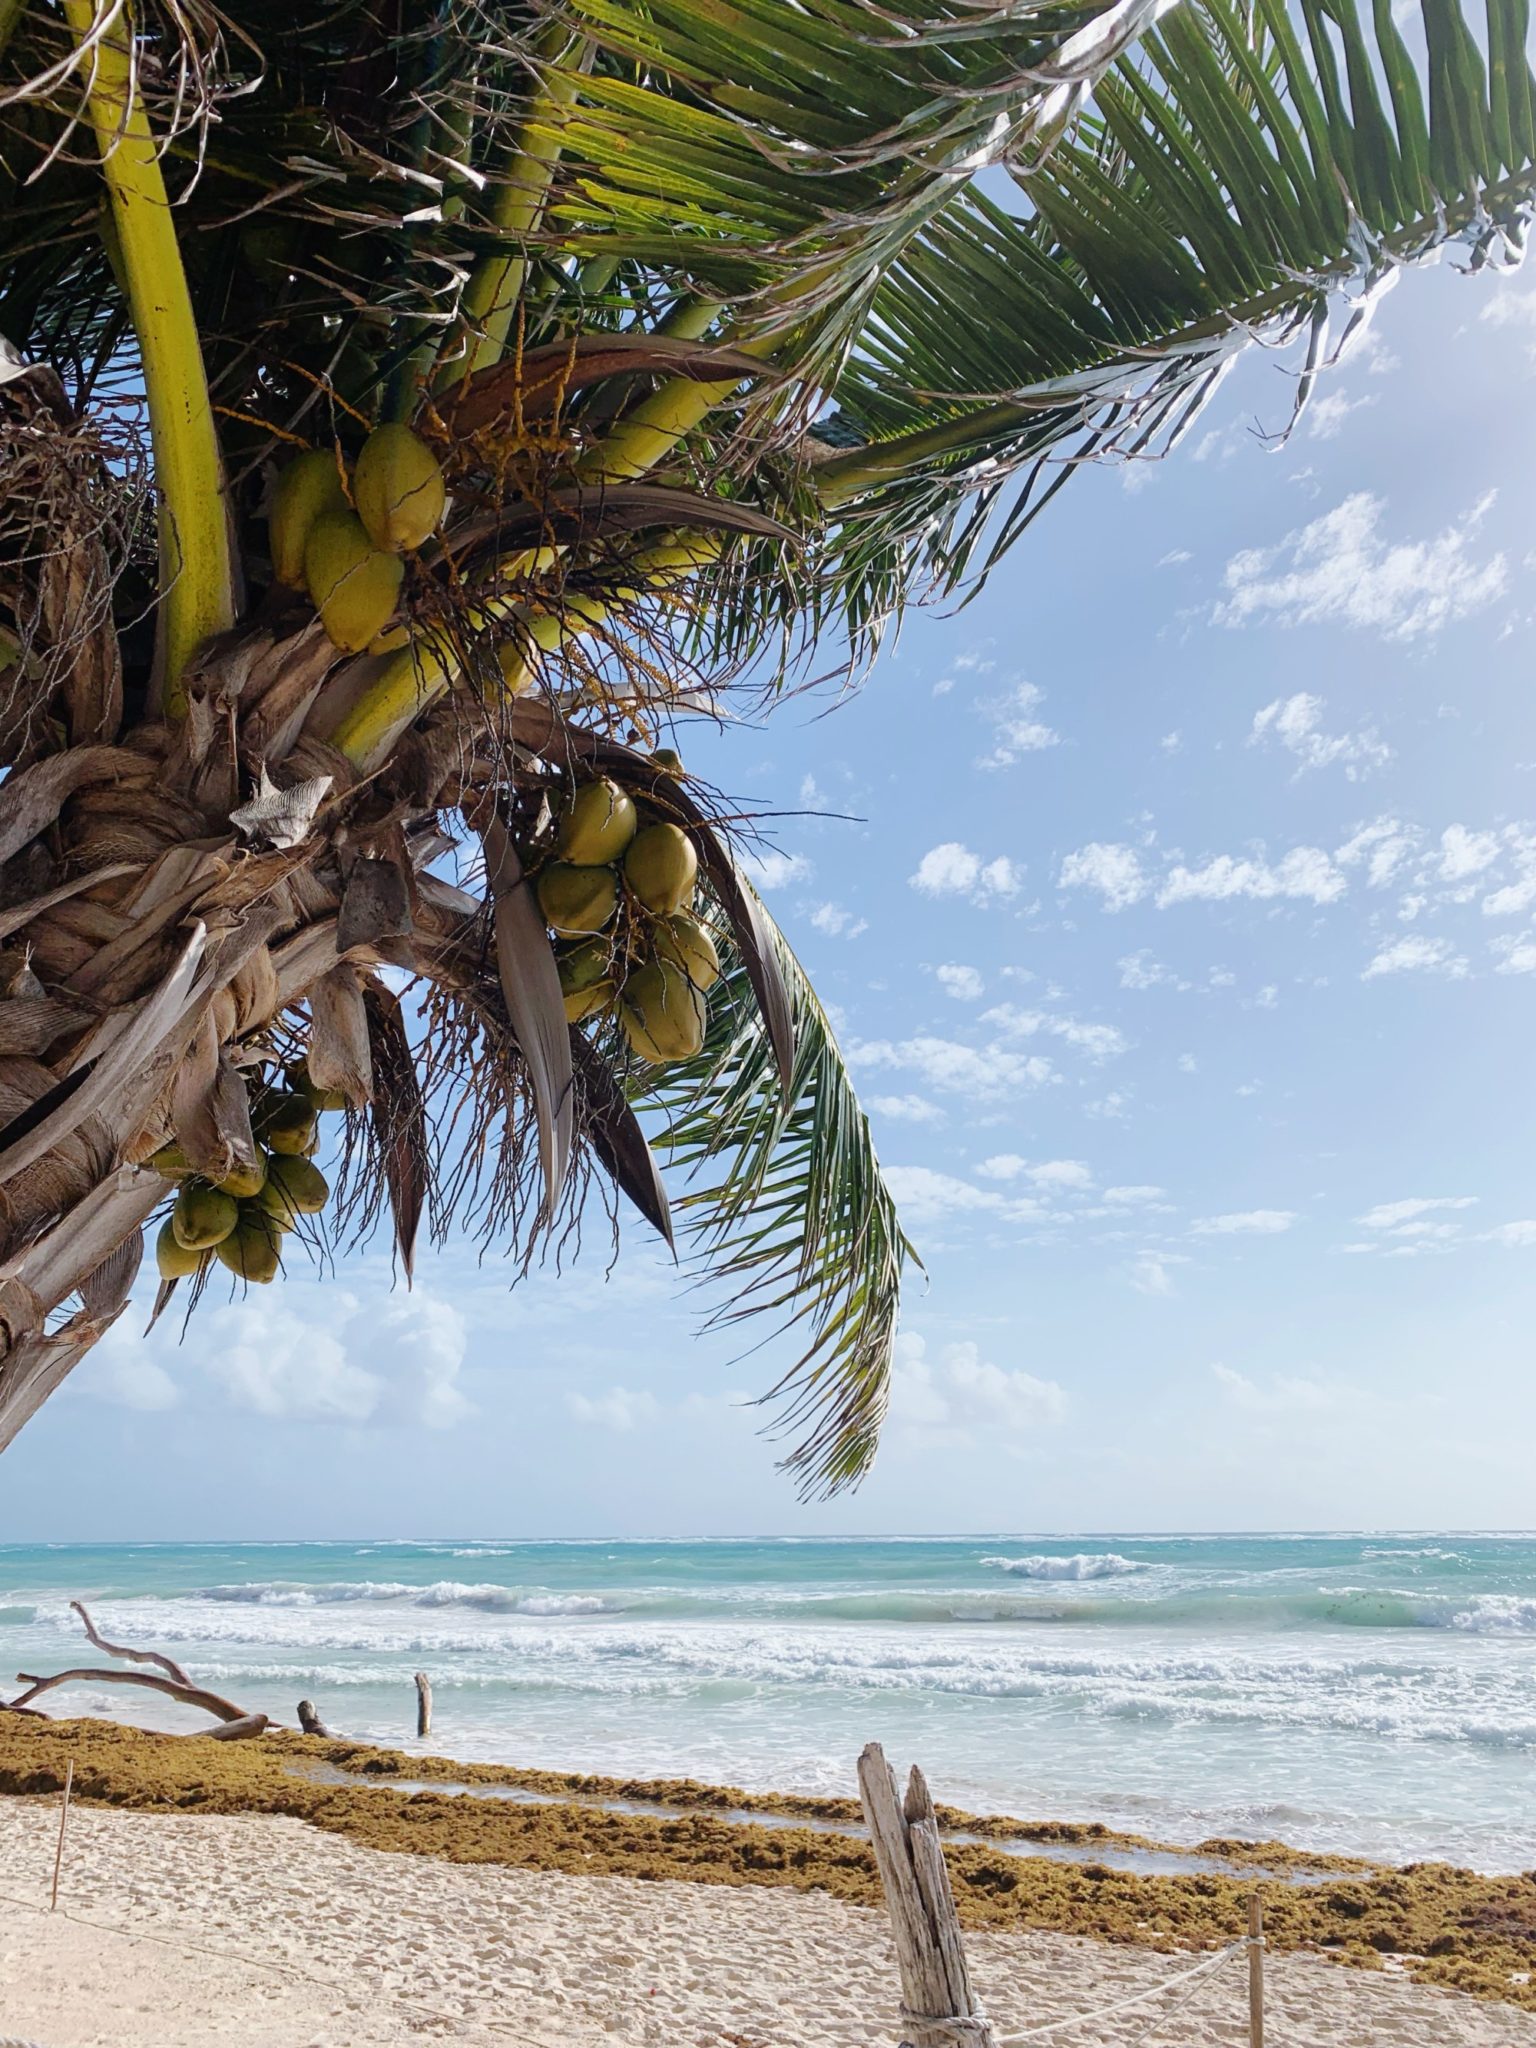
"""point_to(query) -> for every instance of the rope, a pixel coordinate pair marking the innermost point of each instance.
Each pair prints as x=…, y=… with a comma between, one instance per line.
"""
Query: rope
x=974, y=2027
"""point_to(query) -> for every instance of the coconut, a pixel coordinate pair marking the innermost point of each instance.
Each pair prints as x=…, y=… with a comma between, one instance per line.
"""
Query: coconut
x=354, y=585
x=398, y=488
x=174, y=1259
x=309, y=486
x=285, y=1123
x=687, y=944
x=585, y=980
x=245, y=1181
x=203, y=1216
x=596, y=824
x=296, y=1074
x=667, y=761
x=294, y=1187
x=577, y=899
x=171, y=1163
x=663, y=1014
x=251, y=1249
x=661, y=868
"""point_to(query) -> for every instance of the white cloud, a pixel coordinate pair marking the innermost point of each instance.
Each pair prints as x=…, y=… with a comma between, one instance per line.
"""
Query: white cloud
x=1140, y=970
x=1465, y=853
x=1172, y=743
x=121, y=1371
x=924, y=1195
x=1294, y=722
x=622, y=1409
x=1514, y=1235
x=1133, y=1197
x=1510, y=308
x=1339, y=569
x=1099, y=1042
x=1150, y=1272
x=963, y=1392
x=953, y=870
x=909, y=1109
x=1326, y=415
x=942, y=1063
x=1174, y=558
x=836, y=922
x=1017, y=731
x=1516, y=955
x=963, y=983
x=1383, y=846
x=1283, y=1395
x=1391, y=1216
x=769, y=869
x=1306, y=873
x=1245, y=1223
x=1415, y=954
x=1071, y=1174
x=1115, y=871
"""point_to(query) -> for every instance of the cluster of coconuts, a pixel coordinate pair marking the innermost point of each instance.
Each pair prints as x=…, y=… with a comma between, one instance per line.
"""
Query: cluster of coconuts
x=605, y=854
x=241, y=1221
x=342, y=539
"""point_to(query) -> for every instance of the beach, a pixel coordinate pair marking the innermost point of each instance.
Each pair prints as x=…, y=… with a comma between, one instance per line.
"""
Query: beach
x=268, y=1932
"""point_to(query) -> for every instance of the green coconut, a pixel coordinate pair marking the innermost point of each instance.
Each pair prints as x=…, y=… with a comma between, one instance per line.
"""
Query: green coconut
x=251, y=1251
x=297, y=1075
x=586, y=981
x=295, y=1187
x=174, y=1259
x=398, y=488
x=687, y=944
x=203, y=1216
x=661, y=868
x=667, y=761
x=286, y=1123
x=171, y=1163
x=245, y=1181
x=307, y=489
x=353, y=585
x=577, y=899
x=596, y=824
x=663, y=1014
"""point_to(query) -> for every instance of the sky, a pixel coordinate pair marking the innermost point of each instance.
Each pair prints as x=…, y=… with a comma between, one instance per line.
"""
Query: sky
x=1176, y=905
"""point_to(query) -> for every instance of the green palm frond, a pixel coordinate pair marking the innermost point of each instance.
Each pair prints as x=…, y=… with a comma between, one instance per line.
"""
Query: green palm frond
x=1234, y=178
x=789, y=1212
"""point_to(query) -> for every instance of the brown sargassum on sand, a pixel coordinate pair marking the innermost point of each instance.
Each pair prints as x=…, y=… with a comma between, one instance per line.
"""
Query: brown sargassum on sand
x=1445, y=1926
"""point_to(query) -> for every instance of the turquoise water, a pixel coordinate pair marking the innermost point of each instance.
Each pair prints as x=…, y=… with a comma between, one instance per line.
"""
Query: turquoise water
x=1375, y=1694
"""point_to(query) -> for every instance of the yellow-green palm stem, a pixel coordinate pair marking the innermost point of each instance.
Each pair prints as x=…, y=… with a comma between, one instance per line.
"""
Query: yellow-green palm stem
x=10, y=14
x=496, y=283
x=196, y=569
x=648, y=435
x=416, y=676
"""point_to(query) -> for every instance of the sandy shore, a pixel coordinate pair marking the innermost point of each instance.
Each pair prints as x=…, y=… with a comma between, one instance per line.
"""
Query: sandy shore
x=272, y=1934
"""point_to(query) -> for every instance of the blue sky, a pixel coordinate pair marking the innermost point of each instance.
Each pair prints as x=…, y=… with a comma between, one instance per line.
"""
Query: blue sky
x=1184, y=956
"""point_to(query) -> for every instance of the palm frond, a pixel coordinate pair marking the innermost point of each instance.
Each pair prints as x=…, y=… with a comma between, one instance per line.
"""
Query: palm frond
x=788, y=1211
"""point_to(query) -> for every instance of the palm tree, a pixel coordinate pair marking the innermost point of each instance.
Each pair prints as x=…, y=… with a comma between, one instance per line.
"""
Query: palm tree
x=726, y=326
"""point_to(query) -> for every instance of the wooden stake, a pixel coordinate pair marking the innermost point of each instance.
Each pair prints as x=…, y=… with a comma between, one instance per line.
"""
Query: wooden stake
x=423, y=1704
x=935, y=1979
x=58, y=1854
x=1255, y=1972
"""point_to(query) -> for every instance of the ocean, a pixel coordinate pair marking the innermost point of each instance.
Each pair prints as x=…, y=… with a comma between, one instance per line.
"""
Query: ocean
x=1370, y=1694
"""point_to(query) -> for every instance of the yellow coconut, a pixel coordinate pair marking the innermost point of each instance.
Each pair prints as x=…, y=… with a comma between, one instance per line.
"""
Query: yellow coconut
x=354, y=585
x=398, y=488
x=661, y=867
x=285, y=1123
x=576, y=899
x=174, y=1260
x=310, y=486
x=203, y=1216
x=170, y=1162
x=294, y=1187
x=687, y=944
x=596, y=825
x=663, y=1014
x=251, y=1251
x=297, y=1075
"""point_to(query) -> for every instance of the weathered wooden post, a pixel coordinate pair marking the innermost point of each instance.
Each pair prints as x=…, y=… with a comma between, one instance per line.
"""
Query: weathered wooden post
x=423, y=1704
x=939, y=2008
x=1255, y=1972
x=310, y=1722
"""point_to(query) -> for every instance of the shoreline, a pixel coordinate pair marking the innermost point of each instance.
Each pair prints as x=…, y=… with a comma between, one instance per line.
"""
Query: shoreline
x=1432, y=1923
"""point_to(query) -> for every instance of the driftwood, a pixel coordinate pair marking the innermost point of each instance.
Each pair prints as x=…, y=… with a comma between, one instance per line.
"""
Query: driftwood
x=176, y=1685
x=310, y=1722
x=238, y=1731
x=423, y=1705
x=939, y=2006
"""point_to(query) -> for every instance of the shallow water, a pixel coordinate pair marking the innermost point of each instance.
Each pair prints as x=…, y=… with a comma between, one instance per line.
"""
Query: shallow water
x=1374, y=1695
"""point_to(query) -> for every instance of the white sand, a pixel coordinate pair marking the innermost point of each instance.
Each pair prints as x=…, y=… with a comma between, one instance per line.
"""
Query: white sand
x=321, y=1944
